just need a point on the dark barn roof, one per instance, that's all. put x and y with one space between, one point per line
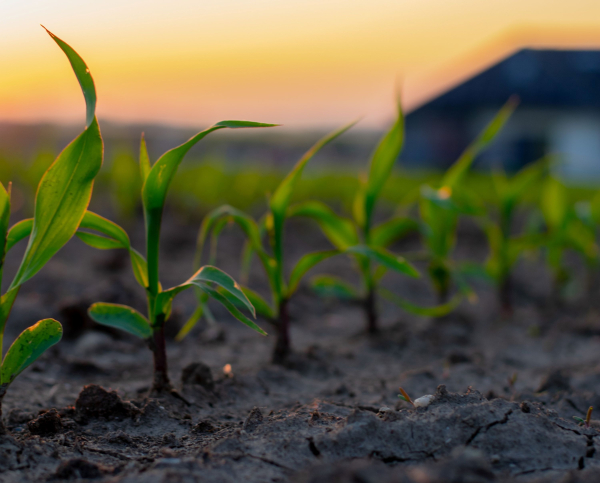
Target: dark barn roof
541 78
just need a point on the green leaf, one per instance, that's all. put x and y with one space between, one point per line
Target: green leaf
28 347
120 239
83 76
437 311
457 171
386 258
340 231
229 303
18 231
381 165
304 265
65 189
329 286
122 317
4 220
202 279
61 201
282 195
97 241
554 203
243 124
144 159
260 304
391 231
6 302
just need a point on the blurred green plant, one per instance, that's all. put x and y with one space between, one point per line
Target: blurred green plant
346 235
567 229
211 281
505 246
61 200
272 256
441 206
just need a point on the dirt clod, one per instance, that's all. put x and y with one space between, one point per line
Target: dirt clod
77 468
46 423
96 402
254 419
198 373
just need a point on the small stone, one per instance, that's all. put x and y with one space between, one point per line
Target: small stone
96 402
203 427
424 401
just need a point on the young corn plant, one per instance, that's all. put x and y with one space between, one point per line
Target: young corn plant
565 230
61 201
506 247
440 208
271 256
365 241
208 279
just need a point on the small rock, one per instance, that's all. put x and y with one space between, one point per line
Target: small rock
254 419
46 423
198 373
96 402
424 401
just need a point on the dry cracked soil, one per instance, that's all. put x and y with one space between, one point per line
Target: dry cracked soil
504 390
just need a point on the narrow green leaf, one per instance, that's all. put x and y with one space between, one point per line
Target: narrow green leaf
554 203
28 347
281 198
83 76
243 124
329 286
381 165
340 231
202 278
97 241
6 302
18 232
122 317
229 302
304 265
458 170
61 201
4 220
437 311
260 304
386 258
144 159
385 234
93 221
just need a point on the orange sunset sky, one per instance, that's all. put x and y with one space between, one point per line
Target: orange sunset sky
298 62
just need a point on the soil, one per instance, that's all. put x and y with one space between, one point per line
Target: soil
505 390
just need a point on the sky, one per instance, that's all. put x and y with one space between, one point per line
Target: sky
302 63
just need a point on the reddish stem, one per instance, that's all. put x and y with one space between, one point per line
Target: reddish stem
161 381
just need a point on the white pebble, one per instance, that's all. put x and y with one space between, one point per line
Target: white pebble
384 409
424 401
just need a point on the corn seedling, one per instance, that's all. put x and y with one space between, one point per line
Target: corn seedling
213 282
441 207
61 201
405 397
365 242
505 247
588 418
272 255
565 230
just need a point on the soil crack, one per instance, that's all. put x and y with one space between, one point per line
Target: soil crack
485 428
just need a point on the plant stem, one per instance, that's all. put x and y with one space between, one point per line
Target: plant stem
282 345
370 306
161 383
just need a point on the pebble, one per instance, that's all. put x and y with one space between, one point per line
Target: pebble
424 401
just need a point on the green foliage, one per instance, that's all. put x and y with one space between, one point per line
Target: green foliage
271 254
441 207
61 200
209 281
